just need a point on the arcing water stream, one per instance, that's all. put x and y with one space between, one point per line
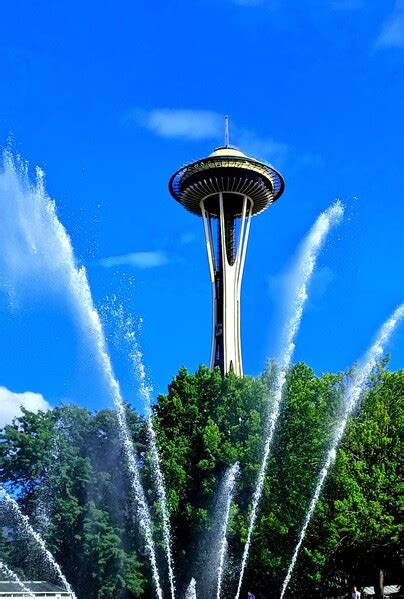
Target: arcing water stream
127 327
34 236
228 493
305 268
350 401
145 392
191 590
24 520
13 576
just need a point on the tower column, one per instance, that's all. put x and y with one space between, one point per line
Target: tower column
226 264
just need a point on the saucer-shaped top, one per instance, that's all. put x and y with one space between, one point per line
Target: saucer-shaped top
227 170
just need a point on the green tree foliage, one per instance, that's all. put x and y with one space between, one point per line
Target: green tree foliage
113 569
357 532
66 468
207 423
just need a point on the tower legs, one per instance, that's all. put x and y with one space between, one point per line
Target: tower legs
226 272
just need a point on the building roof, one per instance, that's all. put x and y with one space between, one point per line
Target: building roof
228 151
36 586
390 589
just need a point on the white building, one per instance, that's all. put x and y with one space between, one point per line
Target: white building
392 590
38 588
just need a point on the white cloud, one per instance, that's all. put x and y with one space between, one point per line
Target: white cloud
198 124
10 404
392 34
185 123
137 259
187 238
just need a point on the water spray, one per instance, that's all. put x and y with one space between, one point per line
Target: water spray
145 392
127 327
351 399
36 240
191 590
25 524
228 492
304 271
13 576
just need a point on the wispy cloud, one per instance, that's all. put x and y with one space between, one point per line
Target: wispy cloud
392 33
136 259
10 404
182 123
206 124
187 238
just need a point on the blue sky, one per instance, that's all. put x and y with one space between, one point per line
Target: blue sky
110 102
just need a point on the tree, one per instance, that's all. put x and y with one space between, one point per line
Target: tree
206 423
62 467
357 530
103 550
66 469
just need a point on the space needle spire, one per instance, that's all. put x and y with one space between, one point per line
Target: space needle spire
226 189
226 132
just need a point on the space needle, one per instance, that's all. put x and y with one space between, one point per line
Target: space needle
226 189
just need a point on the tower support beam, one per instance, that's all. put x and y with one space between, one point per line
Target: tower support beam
226 264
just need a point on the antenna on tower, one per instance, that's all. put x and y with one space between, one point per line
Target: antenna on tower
226 131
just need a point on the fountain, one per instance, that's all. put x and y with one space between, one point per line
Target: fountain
191 590
26 526
14 578
228 493
43 237
305 268
351 398
126 327
30 221
159 482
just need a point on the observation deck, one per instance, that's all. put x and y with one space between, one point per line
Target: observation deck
231 172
